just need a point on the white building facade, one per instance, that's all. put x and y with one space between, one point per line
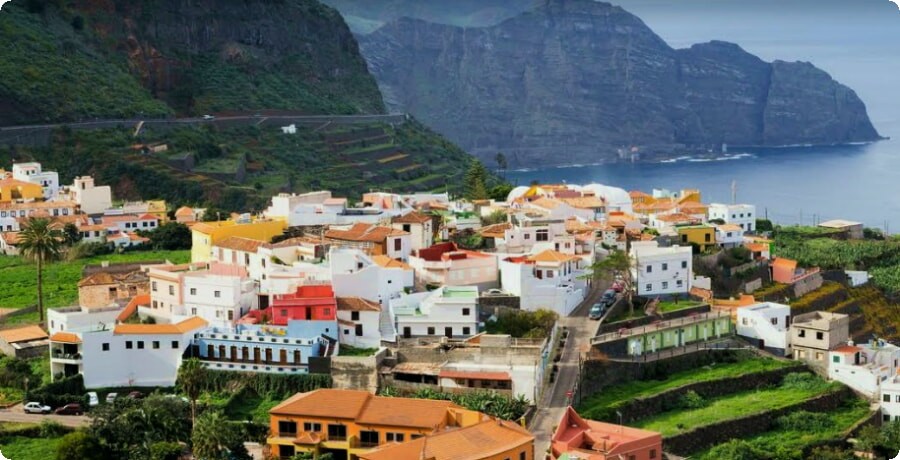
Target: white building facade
766 325
742 215
661 271
445 312
34 173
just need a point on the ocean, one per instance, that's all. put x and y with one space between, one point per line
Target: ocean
857 42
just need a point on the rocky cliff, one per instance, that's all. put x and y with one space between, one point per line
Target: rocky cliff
576 81
111 58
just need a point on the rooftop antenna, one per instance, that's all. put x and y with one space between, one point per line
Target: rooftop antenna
733 192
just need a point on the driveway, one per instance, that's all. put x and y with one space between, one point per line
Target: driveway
555 400
15 414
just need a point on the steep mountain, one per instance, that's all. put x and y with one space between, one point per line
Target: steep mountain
578 81
364 16
121 58
76 60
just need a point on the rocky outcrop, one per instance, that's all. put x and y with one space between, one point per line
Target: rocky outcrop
578 81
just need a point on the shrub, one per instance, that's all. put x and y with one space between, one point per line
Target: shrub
800 381
79 445
736 449
166 451
51 429
804 421
691 400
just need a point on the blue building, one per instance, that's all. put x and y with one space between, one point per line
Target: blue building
265 348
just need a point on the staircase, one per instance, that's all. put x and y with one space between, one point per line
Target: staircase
386 325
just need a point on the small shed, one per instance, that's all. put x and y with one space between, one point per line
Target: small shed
24 342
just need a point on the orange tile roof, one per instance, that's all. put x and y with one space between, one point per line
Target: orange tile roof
133 304
23 334
551 256
404 412
488 439
413 217
730 228
546 203
38 205
356 304
364 232
757 247
387 262
65 337
847 349
496 230
342 404
308 438
184 211
476 375
784 263
676 217
187 325
237 243
584 202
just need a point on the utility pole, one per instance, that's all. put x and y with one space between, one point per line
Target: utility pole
733 191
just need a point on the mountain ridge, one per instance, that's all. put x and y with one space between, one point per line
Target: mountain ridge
574 81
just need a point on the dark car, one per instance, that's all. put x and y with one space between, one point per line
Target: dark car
597 311
69 409
136 395
609 296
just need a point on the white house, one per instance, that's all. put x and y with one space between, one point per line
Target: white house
528 230
359 322
742 215
864 367
445 312
126 355
766 325
890 399
32 172
661 271
729 236
277 267
419 226
356 274
372 239
548 280
91 198
319 208
446 264
130 223
220 295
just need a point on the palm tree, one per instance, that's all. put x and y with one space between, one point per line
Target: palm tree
214 438
191 376
40 240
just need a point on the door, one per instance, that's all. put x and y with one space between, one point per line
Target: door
762 344
282 356
268 356
245 354
296 357
448 331
234 355
407 332
210 352
256 355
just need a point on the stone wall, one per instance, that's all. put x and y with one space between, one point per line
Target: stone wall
640 408
357 372
807 285
753 285
742 428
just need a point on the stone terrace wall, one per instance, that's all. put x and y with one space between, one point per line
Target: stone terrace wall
707 436
637 409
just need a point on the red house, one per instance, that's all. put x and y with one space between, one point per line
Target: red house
312 302
590 440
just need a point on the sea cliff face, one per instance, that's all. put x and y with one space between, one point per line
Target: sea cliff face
578 81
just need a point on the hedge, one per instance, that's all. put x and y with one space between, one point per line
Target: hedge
277 385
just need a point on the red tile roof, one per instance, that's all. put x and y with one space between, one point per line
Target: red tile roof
474 375
356 304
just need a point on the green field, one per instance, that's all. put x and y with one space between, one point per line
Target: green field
60 278
734 406
20 448
670 305
789 443
612 396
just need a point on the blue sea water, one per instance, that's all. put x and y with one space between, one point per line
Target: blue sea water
859 47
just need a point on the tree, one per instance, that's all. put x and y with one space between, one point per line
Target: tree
497 217
736 449
474 184
40 241
170 236
79 445
868 438
616 263
191 376
130 427
890 433
71 234
215 438
764 225
500 192
166 451
500 158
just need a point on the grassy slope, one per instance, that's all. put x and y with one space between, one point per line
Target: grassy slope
788 440
642 388
730 407
61 278
21 448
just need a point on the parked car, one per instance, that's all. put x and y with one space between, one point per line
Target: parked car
136 395
111 398
69 409
597 311
494 293
35 408
208 117
93 399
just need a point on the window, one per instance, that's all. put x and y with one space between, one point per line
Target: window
665 285
128 345
155 305
398 244
679 283
820 335
354 316
467 331
359 330
193 291
217 294
287 429
665 266
155 344
886 418
527 236
683 264
104 347
153 286
549 273
284 312
801 333
744 321
466 311
140 344
312 427
327 311
542 235
230 315
430 331
652 453
174 344
171 290
368 438
337 432
649 268
522 456
393 437
836 359
707 237
886 398
649 287
774 321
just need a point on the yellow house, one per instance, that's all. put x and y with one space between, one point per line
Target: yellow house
206 234
157 208
703 236
349 423
13 189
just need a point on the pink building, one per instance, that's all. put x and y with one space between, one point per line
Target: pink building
445 264
590 440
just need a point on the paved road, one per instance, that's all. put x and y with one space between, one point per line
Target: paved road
555 400
15 414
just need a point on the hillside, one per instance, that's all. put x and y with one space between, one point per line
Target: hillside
578 81
85 59
238 168
365 16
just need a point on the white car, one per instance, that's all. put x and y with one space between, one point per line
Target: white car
208 117
93 400
110 398
36 408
